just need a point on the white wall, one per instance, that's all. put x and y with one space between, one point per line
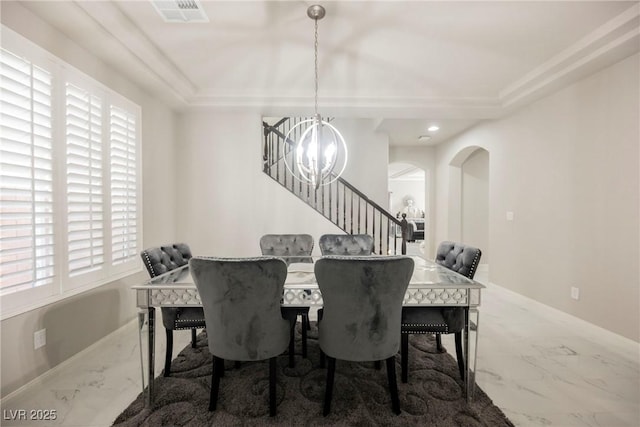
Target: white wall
228 203
75 323
368 158
567 166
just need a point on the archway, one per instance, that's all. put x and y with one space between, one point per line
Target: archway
469 199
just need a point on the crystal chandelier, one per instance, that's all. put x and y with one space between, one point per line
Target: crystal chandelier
320 150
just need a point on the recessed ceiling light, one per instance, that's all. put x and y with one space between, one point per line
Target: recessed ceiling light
433 128
424 138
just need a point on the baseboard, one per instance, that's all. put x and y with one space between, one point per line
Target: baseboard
580 323
40 379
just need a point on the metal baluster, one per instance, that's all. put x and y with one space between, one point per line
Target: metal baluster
330 192
323 200
315 198
359 214
344 208
380 233
366 217
351 212
373 224
337 204
278 159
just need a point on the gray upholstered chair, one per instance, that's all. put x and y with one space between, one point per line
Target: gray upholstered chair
241 300
346 244
462 259
362 311
289 246
159 261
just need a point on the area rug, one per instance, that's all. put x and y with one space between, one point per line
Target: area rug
432 397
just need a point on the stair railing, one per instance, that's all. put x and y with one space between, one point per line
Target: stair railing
340 202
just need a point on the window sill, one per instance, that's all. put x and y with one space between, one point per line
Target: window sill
10 312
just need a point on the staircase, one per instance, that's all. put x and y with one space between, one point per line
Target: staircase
339 202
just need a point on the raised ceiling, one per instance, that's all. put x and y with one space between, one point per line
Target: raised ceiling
404 64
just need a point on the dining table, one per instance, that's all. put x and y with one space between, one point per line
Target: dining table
431 285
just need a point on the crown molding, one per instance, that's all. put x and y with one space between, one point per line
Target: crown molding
609 43
163 74
388 107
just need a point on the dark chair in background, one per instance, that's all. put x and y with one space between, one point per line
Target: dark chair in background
159 261
362 311
346 244
241 300
290 246
462 259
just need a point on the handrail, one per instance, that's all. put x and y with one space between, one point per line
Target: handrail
268 128
368 200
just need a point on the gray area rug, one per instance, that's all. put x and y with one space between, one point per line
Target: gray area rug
433 396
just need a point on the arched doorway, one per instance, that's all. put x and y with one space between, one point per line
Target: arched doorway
469 200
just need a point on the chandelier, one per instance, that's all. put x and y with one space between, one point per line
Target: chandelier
320 150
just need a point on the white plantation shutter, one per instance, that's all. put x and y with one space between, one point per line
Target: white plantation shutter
84 171
26 175
69 179
124 215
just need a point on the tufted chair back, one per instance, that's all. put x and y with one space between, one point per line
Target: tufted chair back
458 257
287 245
165 258
241 300
346 244
362 303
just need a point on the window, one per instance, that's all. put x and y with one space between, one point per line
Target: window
26 171
69 175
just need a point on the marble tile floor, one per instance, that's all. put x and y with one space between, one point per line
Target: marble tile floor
540 366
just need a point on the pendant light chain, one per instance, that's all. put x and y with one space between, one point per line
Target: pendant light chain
316 65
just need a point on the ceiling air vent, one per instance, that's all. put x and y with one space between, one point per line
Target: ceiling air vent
180 10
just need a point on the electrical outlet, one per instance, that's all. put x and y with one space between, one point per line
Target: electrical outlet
510 216
39 339
575 293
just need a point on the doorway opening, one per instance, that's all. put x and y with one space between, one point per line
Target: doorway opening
407 195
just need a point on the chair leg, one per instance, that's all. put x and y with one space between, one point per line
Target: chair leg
169 353
305 325
218 368
328 394
322 356
305 318
404 357
193 338
393 384
439 343
292 340
460 354
272 387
